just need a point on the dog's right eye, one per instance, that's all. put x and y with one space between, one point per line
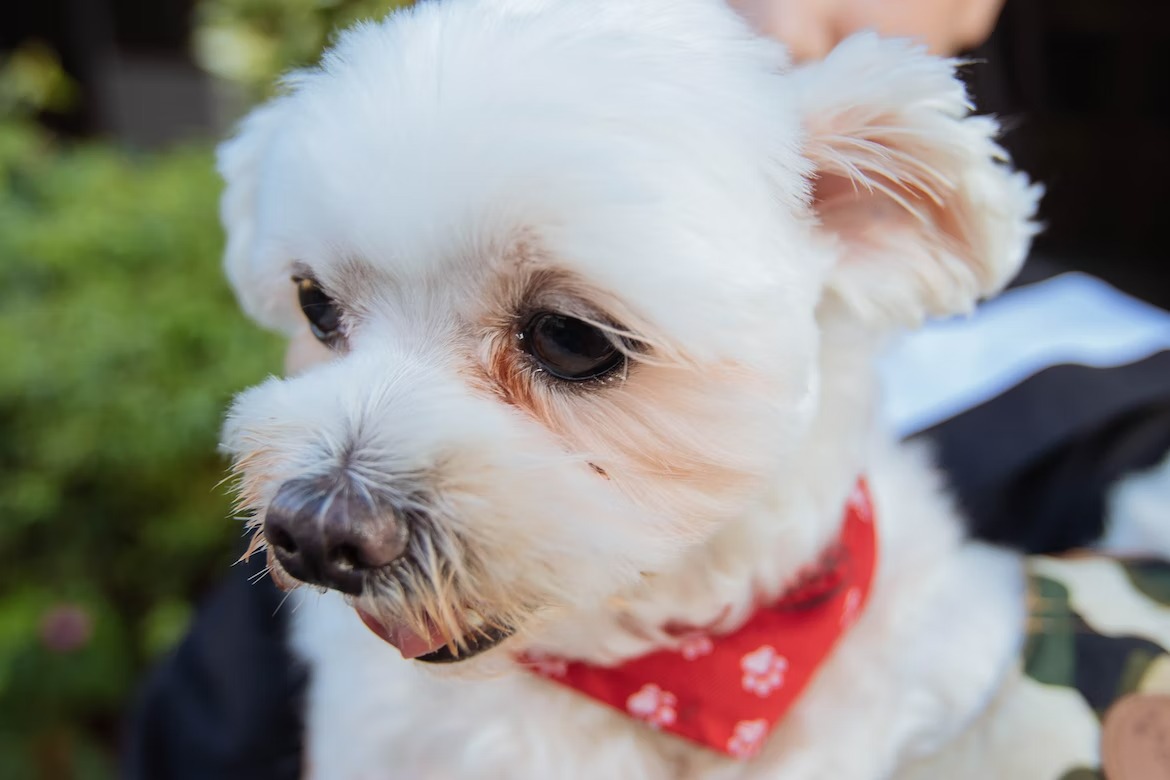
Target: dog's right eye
569 348
322 313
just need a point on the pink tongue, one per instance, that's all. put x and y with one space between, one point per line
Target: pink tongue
410 644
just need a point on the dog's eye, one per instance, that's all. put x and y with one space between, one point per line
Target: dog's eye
569 348
320 310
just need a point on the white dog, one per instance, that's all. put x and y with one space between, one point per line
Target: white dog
603 283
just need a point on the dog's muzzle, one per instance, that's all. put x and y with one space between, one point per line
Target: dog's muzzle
331 532
326 531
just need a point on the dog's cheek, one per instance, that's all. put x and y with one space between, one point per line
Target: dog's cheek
703 447
696 440
541 527
694 447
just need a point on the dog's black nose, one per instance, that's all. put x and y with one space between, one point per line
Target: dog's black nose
326 533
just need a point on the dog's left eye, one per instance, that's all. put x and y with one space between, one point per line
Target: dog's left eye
322 313
569 348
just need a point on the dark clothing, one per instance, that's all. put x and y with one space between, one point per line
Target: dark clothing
226 703
1032 466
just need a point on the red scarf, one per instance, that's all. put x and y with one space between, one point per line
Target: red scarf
728 692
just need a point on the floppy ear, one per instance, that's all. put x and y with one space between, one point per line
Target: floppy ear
252 272
926 213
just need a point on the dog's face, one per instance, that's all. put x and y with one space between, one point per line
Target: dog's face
569 259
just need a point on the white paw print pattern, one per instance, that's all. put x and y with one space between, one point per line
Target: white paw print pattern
548 666
850 606
695 646
748 738
653 705
763 670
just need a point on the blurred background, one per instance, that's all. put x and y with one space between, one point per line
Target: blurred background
121 343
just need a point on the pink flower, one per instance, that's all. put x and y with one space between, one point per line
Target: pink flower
66 628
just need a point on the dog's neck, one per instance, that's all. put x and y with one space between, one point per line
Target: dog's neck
751 559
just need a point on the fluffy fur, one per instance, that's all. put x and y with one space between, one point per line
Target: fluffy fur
754 230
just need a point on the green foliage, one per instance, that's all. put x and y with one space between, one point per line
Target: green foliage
251 42
122 345
31 80
121 348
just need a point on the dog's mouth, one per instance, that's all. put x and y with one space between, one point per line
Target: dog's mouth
435 647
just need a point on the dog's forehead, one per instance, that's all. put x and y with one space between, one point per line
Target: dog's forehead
647 150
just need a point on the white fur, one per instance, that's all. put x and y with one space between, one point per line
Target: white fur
759 229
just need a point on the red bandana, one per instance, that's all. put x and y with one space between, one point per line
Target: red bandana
728 692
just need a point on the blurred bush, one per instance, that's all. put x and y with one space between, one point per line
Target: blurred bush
121 347
250 42
32 80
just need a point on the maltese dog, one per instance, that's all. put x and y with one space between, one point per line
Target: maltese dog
587 482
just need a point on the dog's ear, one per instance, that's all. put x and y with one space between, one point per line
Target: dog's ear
241 162
926 214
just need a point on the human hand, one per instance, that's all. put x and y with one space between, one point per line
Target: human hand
811 28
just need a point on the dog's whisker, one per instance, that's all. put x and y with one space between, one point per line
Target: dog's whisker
279 606
299 603
260 575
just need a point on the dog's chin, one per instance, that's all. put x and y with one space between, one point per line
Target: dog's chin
485 641
435 647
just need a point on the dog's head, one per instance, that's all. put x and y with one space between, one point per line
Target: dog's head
572 261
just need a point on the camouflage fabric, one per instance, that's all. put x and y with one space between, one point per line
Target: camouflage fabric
1100 627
